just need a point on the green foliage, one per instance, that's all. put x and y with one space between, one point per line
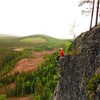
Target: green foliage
31 42
8 79
10 63
42 47
6 55
3 97
93 83
74 52
9 57
42 93
41 83
68 45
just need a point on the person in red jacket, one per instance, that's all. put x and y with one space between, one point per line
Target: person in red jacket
61 52
61 55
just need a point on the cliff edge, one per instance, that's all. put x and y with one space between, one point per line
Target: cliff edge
79 65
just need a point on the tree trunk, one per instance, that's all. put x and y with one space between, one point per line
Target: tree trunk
92 15
97 12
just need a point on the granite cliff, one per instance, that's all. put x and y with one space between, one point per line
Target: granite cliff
78 65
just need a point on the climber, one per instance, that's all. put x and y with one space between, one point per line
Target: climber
61 54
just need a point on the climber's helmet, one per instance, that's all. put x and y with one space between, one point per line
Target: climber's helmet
60 49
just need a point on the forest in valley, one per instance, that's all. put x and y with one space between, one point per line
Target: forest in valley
38 84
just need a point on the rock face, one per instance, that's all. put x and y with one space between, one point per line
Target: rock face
79 65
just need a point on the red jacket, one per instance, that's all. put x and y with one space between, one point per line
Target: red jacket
61 53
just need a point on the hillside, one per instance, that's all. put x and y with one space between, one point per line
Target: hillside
25 67
9 45
31 41
40 75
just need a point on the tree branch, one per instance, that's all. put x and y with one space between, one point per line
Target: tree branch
84 2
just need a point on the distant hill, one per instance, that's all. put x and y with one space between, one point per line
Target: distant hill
36 38
32 41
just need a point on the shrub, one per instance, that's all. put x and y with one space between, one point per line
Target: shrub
41 83
3 97
93 83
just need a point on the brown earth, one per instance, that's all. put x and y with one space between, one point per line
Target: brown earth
21 98
3 89
26 65
30 64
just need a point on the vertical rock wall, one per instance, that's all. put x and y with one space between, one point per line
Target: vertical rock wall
79 65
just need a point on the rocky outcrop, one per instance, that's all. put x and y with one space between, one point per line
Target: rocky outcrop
79 65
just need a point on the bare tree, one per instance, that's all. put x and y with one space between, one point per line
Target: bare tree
92 15
91 7
96 23
86 10
84 1
72 30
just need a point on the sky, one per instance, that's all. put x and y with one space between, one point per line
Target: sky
50 17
